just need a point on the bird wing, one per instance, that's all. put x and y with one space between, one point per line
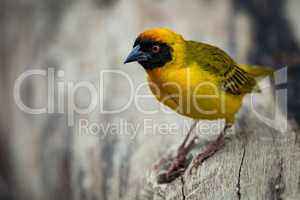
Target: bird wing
232 78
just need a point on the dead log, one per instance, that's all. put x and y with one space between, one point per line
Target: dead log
257 162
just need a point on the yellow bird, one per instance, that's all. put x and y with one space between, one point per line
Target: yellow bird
196 80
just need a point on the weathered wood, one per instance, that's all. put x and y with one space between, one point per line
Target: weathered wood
257 162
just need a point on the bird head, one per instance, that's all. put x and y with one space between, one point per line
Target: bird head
157 47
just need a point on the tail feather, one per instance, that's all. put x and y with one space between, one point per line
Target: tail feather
257 72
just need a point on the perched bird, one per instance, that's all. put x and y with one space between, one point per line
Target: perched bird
196 80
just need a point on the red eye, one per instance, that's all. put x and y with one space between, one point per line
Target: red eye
155 48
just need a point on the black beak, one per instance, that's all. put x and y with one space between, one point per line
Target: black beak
136 55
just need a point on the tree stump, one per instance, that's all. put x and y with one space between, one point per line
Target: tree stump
257 162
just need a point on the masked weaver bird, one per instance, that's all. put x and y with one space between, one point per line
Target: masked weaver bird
196 80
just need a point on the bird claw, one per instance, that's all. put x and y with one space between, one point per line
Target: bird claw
212 149
169 177
176 169
197 162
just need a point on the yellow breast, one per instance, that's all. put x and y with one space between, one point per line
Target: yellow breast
193 92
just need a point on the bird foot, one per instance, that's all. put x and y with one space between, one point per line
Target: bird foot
208 152
178 165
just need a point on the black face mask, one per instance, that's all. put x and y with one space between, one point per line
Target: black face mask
150 54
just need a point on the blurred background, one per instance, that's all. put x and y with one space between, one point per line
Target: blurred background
41 156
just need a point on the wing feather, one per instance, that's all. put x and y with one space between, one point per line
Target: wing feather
232 78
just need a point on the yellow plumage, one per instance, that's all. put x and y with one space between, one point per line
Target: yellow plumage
211 103
199 69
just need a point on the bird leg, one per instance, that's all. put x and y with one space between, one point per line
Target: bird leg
179 165
211 149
